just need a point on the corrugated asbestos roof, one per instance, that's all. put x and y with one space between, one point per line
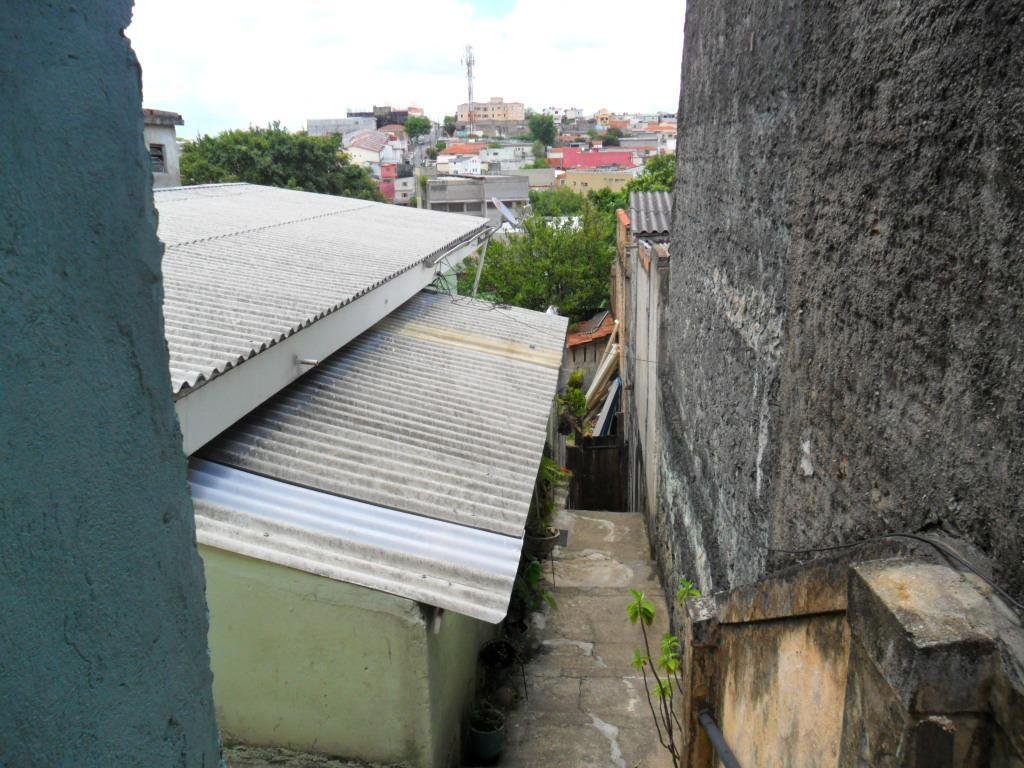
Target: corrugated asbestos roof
247 266
451 566
436 413
650 213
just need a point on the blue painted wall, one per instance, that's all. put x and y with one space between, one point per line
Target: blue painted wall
103 657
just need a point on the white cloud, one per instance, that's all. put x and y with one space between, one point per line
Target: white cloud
232 63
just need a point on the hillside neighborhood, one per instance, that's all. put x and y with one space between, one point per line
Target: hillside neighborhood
673 433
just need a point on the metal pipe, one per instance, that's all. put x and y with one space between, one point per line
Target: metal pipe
480 266
718 740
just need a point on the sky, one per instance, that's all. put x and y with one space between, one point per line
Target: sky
233 63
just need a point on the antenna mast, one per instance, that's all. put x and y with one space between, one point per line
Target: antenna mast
469 62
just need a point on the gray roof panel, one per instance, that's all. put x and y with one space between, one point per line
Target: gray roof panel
438 410
246 266
650 213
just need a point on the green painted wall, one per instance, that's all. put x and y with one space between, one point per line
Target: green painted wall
308 663
103 629
453 676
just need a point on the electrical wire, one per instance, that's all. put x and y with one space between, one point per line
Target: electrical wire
942 548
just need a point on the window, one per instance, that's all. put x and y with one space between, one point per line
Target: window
156 158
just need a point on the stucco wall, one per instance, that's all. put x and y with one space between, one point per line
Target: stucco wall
166 136
842 345
317 665
103 627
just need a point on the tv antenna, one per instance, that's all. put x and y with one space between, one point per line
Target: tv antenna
469 61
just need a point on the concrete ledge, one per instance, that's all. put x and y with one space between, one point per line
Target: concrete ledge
930 631
816 588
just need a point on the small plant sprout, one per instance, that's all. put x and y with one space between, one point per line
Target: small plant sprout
667 673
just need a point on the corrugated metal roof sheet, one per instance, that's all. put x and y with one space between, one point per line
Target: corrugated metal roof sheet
451 566
438 410
650 213
246 266
405 462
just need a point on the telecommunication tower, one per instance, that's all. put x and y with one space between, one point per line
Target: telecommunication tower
469 61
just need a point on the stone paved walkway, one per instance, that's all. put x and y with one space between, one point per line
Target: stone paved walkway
586 706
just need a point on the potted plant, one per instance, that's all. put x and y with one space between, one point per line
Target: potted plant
486 733
541 536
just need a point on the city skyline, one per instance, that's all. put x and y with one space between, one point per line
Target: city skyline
259 62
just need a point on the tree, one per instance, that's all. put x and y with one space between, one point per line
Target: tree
659 175
562 264
560 201
276 158
612 136
542 128
416 126
449 125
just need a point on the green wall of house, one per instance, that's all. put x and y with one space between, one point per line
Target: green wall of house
308 663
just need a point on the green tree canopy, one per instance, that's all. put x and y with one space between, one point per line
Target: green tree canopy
542 128
561 264
560 201
449 125
416 126
276 158
659 174
612 136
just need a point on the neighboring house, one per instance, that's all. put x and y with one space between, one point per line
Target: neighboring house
537 178
468 165
601 117
361 534
475 194
162 144
510 157
455 151
339 126
587 181
496 110
585 347
639 289
372 148
405 189
566 158
560 114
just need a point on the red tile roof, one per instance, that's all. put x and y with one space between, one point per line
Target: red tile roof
587 332
463 149
578 158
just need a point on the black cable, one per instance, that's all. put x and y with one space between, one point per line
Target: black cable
942 548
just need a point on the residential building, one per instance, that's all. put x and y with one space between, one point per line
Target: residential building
589 181
339 126
475 194
358 533
405 189
566 158
495 110
158 131
620 123
601 117
455 151
563 114
387 115
506 158
380 153
537 178
585 346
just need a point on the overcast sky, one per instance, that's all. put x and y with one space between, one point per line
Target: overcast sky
234 63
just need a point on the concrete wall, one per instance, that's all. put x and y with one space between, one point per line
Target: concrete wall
842 346
165 136
312 664
103 625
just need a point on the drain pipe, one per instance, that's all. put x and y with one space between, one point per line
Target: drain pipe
718 740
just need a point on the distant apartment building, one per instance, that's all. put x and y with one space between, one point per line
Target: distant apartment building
339 126
496 110
567 158
563 114
590 181
602 116
474 195
384 115
162 144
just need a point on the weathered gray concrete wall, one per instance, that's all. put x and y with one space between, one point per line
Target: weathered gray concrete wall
842 346
103 655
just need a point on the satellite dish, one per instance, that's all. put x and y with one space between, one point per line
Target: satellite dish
506 212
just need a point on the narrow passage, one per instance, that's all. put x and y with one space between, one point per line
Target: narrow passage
586 706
